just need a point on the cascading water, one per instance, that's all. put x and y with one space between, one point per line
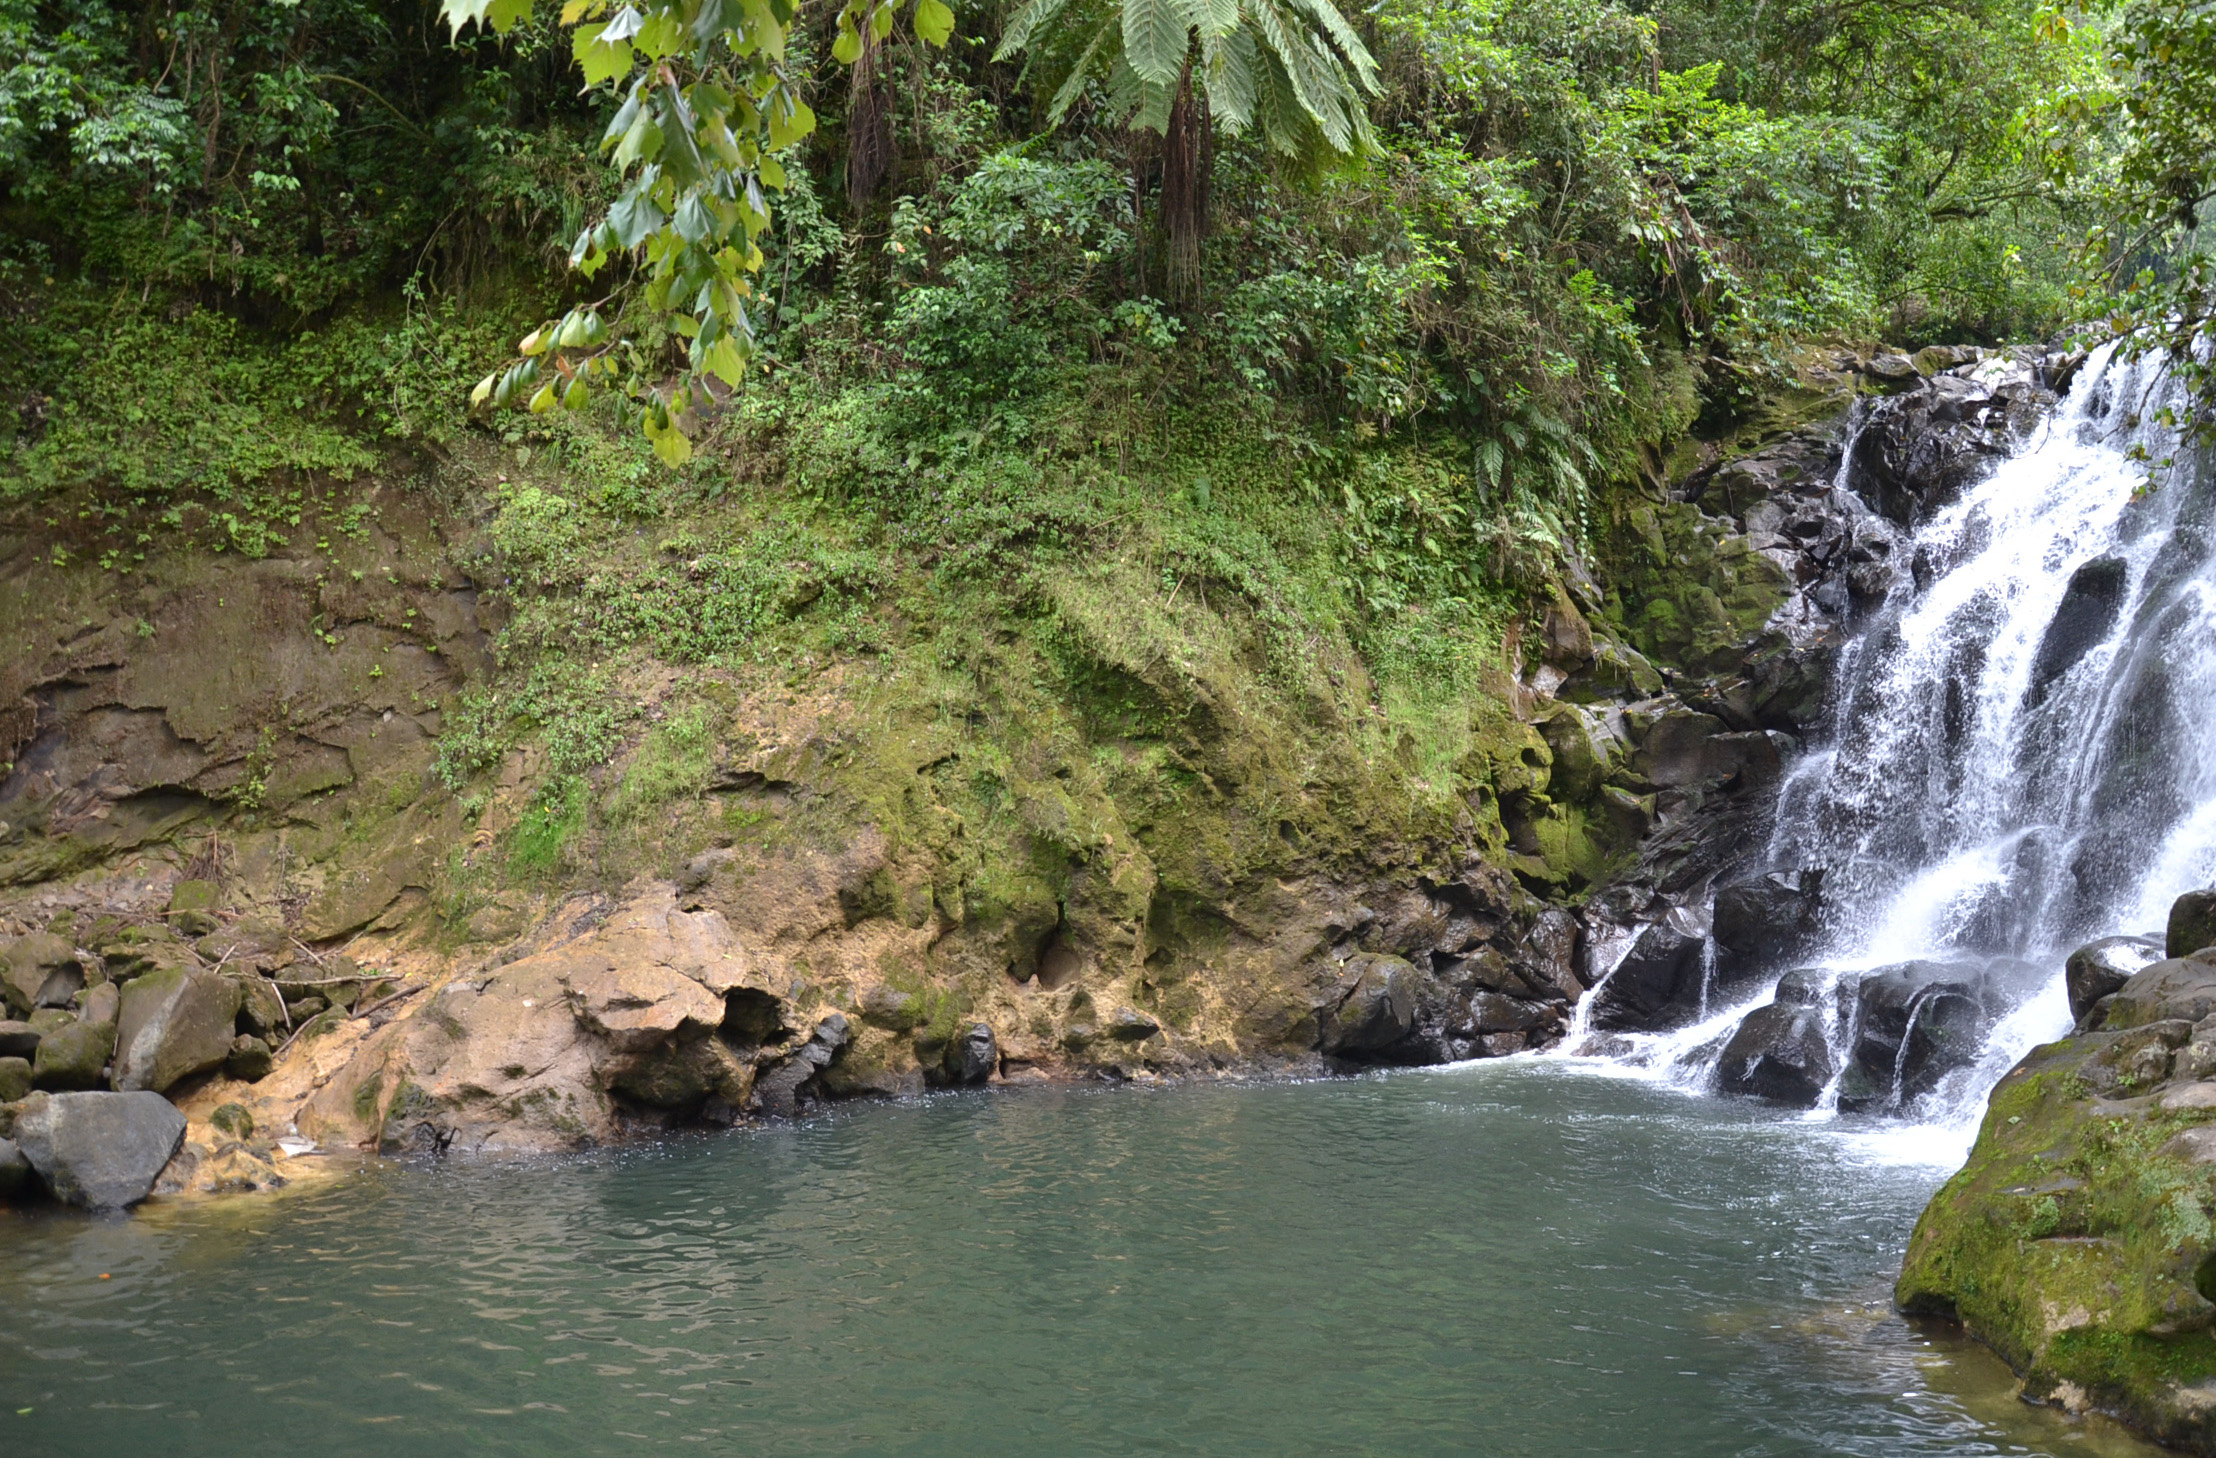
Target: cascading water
2022 756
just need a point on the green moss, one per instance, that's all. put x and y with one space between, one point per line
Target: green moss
554 818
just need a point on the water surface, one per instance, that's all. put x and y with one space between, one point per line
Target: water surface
1509 1258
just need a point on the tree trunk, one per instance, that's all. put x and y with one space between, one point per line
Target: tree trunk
869 127
1188 156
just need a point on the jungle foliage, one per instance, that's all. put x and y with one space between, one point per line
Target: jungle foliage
1438 271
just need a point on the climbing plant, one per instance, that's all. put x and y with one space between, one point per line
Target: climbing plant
708 104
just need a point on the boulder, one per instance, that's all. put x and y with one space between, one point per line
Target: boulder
2192 923
2099 968
1656 985
1914 1023
102 1150
76 1056
250 1059
18 1040
192 907
2083 621
1374 1009
892 1008
1760 926
40 970
1128 1025
2175 988
1780 1053
261 1008
15 1171
174 1023
15 1079
972 1057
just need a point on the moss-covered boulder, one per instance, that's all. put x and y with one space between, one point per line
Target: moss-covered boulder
2079 1241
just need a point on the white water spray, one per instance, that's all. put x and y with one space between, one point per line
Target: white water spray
2014 766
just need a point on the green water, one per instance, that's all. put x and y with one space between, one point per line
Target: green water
1501 1259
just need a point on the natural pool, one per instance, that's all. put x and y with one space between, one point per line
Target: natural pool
1519 1257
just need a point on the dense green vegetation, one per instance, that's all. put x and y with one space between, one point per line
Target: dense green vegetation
1365 318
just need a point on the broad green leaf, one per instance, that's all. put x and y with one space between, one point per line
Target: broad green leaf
847 49
723 360
934 22
789 120
505 14
1155 34
544 400
663 34
600 60
881 21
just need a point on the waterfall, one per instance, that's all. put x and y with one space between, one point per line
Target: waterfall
2021 756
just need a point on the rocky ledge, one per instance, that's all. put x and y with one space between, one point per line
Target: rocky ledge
2079 1241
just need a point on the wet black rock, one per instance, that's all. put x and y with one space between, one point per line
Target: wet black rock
1374 1006
102 1150
1919 448
2192 923
1656 985
1762 925
779 1089
2099 968
1914 1023
1780 1052
972 1057
2085 618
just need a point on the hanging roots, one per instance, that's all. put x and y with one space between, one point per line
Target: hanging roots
869 128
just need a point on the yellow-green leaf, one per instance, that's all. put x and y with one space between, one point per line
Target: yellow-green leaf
934 22
543 401
724 361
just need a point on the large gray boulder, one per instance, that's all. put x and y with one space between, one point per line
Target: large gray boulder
175 1022
40 970
101 1150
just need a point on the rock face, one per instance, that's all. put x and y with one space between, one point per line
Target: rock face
2079 1241
1921 447
1763 925
102 1150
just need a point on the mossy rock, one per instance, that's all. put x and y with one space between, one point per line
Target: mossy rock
2079 1242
